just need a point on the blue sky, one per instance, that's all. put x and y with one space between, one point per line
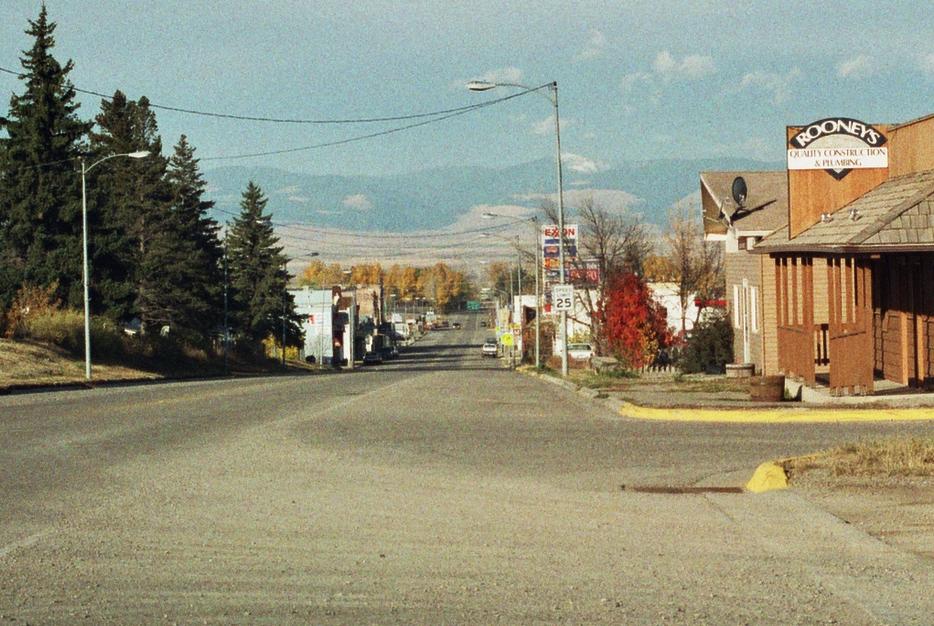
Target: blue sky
637 80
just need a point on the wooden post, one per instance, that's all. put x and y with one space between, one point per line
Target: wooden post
795 300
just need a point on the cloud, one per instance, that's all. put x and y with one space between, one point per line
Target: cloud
633 79
547 125
287 190
666 69
779 85
859 66
612 199
594 47
473 218
581 164
691 67
927 63
580 183
299 199
357 201
503 75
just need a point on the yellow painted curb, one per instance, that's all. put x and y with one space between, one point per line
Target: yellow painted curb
767 477
774 416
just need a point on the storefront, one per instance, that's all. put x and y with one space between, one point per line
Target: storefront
854 268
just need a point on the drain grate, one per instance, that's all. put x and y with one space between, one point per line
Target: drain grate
679 490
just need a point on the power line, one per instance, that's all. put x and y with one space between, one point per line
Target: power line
339 142
322 121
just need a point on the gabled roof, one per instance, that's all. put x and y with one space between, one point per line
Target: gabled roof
896 215
766 206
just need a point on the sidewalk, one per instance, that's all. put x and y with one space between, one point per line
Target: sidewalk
658 400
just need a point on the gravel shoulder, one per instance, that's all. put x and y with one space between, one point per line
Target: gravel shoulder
896 510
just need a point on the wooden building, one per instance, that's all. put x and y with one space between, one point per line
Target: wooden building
854 268
749 277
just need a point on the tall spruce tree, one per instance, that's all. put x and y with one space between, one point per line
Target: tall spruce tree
40 202
258 276
202 271
125 197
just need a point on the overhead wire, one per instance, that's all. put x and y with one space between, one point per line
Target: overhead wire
432 117
320 121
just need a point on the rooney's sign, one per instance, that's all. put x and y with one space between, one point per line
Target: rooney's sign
837 145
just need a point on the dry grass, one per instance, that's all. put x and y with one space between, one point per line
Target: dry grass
33 363
625 380
895 456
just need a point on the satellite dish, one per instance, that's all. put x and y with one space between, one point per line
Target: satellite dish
739 191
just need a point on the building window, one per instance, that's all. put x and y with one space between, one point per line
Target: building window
754 308
736 306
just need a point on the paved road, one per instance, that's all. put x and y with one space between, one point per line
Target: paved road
437 488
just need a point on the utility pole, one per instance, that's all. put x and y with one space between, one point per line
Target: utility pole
226 311
538 299
285 300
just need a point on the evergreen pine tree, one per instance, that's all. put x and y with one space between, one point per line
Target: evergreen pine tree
40 202
202 270
133 231
258 276
113 207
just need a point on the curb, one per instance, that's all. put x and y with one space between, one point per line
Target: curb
745 416
775 416
769 476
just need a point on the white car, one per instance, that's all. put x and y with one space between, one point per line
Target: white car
580 351
490 347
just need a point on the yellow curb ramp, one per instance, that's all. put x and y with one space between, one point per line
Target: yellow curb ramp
768 477
776 416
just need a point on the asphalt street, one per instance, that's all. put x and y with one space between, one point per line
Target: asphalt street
437 488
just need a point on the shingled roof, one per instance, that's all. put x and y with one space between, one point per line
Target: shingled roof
898 215
766 206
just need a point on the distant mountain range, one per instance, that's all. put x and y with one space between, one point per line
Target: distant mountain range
437 198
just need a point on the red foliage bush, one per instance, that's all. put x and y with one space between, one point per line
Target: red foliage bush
634 324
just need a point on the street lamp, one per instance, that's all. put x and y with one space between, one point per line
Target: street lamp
140 154
538 268
482 85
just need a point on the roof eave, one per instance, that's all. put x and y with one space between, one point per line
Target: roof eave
844 249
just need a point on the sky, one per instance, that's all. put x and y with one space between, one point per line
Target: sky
637 80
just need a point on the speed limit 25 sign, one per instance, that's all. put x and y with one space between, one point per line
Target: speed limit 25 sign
562 297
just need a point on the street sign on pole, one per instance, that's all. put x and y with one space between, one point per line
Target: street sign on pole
562 297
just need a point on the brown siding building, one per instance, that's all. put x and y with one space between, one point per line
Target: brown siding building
740 225
854 271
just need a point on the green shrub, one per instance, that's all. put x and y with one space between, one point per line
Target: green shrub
65 328
61 328
710 347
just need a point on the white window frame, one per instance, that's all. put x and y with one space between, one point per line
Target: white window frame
754 308
737 311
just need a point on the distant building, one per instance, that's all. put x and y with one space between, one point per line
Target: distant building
666 295
318 308
750 278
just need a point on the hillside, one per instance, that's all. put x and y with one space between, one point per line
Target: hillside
437 198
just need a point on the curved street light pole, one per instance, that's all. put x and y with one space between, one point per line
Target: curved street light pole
84 246
479 85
